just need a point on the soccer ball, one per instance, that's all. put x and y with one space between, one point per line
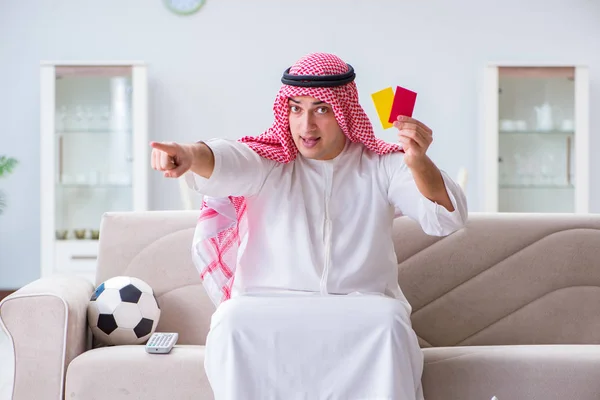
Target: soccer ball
123 310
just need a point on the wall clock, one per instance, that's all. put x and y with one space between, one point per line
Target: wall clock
184 7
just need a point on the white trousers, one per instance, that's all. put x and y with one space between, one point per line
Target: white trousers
280 347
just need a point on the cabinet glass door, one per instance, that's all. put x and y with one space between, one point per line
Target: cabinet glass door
536 122
93 147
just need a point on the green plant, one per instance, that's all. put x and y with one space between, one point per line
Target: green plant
7 164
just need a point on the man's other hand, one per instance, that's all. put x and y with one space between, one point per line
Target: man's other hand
415 138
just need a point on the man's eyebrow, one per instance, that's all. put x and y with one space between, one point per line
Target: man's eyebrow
315 103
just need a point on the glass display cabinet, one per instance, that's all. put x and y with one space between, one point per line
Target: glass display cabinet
94 157
536 139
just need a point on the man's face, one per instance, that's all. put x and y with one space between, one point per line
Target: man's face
314 128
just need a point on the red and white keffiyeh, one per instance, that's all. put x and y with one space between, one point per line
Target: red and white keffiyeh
222 224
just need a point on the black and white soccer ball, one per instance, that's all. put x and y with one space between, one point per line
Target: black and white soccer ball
123 310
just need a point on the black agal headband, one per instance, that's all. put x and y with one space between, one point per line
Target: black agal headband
318 80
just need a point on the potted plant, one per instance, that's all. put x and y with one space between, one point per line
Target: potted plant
7 164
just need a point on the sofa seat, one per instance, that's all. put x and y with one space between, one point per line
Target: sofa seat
472 372
518 372
128 372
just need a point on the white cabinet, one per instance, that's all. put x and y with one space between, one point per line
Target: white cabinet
536 143
93 155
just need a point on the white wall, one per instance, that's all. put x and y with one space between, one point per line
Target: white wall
216 73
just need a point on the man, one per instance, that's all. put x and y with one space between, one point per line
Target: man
294 244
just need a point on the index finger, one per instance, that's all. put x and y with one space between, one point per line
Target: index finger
405 119
170 149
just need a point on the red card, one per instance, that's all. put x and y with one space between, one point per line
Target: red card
404 103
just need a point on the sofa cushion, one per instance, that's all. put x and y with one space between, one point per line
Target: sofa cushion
512 372
128 372
474 372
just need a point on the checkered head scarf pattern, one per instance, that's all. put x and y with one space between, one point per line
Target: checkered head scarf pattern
222 223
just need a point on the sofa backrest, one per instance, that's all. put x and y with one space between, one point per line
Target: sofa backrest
503 279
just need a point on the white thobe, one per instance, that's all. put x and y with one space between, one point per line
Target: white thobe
319 228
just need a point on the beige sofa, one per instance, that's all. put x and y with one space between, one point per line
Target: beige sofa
508 306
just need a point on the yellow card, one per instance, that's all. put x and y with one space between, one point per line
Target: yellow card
383 101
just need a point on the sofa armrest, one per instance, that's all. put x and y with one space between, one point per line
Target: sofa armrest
46 326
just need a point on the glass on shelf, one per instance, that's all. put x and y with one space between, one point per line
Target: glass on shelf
91 118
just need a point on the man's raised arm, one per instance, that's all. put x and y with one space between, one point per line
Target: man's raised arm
216 168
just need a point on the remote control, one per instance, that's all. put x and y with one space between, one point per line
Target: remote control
161 342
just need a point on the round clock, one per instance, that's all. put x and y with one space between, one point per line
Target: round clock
184 7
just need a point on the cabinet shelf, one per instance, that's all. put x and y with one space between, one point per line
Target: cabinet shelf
530 132
76 242
92 132
536 186
94 186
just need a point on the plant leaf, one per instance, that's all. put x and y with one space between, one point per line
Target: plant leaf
7 165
